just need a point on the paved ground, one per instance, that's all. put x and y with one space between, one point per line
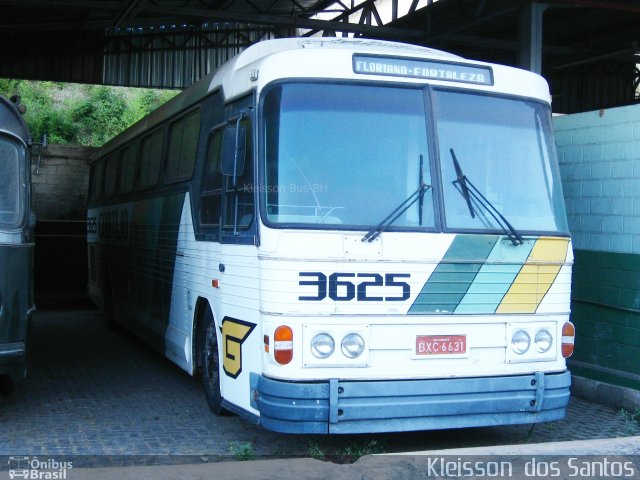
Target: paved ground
96 392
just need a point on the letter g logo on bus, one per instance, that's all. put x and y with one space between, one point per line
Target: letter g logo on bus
234 333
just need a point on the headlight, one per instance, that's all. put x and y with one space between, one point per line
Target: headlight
352 345
543 341
520 342
322 345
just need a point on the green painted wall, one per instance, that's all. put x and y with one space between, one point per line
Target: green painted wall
606 312
599 156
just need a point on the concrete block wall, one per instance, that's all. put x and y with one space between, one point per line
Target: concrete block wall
59 190
59 198
599 155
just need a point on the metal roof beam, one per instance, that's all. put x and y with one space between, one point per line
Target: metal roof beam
628 53
472 23
107 5
292 22
621 7
158 16
128 13
511 45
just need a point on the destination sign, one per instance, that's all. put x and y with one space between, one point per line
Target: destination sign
419 68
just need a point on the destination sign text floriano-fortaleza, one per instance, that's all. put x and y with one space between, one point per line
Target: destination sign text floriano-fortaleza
418 68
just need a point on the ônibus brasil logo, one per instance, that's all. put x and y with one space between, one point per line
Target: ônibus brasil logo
38 469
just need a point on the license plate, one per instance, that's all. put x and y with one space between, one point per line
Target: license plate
441 344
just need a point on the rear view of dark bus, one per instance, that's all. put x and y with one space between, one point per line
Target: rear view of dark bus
16 243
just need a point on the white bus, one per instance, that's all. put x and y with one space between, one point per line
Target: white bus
345 236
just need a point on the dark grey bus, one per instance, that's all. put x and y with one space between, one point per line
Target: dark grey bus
16 243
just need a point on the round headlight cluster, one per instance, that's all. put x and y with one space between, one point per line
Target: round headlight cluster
352 345
521 341
543 341
323 345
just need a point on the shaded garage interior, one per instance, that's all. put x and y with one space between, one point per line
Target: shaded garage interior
588 50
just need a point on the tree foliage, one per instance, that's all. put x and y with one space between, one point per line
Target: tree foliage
82 114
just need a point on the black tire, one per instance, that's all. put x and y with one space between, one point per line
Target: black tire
108 314
6 385
210 364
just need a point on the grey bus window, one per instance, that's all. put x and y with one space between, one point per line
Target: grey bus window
150 160
110 175
183 144
97 176
211 198
234 143
11 183
128 160
242 196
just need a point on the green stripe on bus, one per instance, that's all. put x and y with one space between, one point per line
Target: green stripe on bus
452 278
495 277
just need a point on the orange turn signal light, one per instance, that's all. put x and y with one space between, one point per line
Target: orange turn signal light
283 344
568 339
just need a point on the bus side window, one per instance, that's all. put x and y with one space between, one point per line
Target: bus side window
128 161
211 197
150 160
183 144
110 175
97 174
243 193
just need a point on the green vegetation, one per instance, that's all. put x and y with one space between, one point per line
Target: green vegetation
82 114
632 421
351 453
315 451
347 453
242 451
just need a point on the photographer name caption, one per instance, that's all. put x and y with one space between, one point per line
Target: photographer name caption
535 467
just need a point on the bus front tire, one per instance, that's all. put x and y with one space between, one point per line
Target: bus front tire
6 385
210 362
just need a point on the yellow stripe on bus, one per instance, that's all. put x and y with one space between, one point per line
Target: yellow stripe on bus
536 276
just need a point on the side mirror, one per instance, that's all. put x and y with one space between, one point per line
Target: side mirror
234 146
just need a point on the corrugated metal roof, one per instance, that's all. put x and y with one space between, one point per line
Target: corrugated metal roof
176 56
589 47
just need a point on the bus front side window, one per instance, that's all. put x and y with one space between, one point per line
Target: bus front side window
11 183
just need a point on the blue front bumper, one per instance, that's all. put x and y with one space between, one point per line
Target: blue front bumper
337 406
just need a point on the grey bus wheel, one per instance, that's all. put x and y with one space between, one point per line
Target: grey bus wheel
209 360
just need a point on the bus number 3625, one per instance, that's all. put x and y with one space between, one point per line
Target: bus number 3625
341 288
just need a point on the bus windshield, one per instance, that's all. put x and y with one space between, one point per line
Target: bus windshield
345 156
11 183
504 148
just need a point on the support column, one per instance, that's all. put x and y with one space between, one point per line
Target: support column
530 36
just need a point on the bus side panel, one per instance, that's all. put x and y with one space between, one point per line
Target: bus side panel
234 303
16 305
134 255
196 263
241 331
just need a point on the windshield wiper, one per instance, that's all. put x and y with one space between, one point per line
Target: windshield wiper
472 194
462 181
400 209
